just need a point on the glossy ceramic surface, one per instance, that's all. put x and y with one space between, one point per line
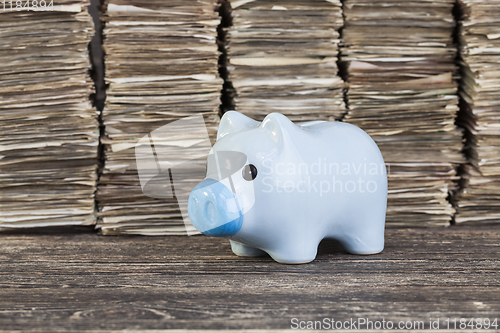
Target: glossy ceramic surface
279 188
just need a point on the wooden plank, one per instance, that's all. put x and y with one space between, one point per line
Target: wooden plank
83 281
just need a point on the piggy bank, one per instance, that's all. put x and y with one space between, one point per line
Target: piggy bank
279 188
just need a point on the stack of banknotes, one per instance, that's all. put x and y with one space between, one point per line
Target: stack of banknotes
479 31
282 57
161 62
49 131
403 82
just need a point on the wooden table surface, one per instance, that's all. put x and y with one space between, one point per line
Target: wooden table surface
83 281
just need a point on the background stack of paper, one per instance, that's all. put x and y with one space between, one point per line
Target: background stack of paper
48 128
282 57
403 92
479 31
161 61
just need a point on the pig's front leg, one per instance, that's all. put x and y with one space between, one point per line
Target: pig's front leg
296 252
244 250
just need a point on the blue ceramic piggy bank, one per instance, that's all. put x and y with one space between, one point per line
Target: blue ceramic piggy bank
279 188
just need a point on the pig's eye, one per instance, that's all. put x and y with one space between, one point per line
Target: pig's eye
249 172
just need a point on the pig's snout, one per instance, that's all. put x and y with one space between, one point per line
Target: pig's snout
213 209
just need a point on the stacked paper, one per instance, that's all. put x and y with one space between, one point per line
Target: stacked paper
282 57
479 30
161 61
48 128
403 92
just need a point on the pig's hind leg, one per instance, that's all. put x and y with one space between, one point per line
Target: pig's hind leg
361 231
244 250
363 238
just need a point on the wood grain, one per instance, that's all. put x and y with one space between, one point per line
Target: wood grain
82 281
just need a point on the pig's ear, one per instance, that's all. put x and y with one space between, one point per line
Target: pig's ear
278 127
233 122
